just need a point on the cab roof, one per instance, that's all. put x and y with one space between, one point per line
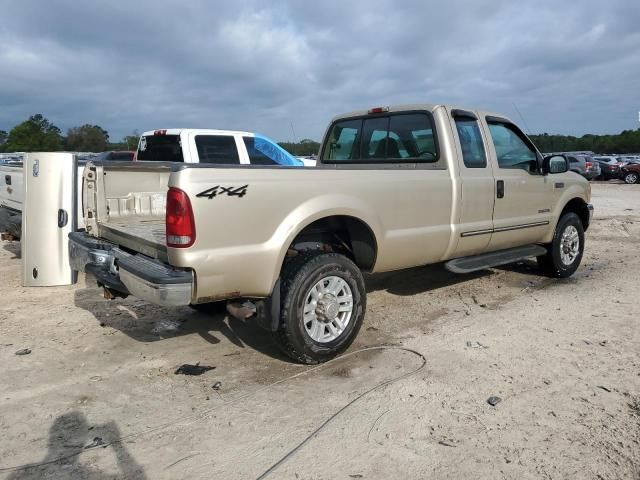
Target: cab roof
430 107
199 131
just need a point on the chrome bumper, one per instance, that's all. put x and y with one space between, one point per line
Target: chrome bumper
590 208
138 275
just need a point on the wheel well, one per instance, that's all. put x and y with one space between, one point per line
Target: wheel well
342 234
579 207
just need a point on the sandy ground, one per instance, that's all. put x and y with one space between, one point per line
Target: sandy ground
564 357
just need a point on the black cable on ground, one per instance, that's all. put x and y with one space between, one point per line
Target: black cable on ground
292 452
245 397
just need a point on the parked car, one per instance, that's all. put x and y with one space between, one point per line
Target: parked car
622 161
584 165
115 156
630 173
394 188
609 167
221 147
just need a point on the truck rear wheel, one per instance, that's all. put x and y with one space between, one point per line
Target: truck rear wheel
564 253
323 301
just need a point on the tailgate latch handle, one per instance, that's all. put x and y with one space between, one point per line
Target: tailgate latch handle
63 218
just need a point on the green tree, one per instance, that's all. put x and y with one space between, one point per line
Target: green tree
35 134
3 137
131 141
627 141
303 148
87 138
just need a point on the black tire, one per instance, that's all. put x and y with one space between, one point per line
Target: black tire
299 275
552 263
631 177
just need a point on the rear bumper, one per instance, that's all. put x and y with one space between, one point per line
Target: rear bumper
130 274
590 208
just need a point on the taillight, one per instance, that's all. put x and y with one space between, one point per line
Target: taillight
181 229
589 164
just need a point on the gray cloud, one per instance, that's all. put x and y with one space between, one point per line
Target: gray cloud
569 68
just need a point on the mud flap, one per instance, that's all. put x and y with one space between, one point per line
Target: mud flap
268 310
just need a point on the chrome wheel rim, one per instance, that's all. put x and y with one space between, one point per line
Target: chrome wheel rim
631 178
569 245
328 309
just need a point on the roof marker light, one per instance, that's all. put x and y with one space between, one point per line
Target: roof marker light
378 110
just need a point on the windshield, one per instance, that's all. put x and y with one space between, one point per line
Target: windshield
160 148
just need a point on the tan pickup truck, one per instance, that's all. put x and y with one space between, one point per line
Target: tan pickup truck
395 187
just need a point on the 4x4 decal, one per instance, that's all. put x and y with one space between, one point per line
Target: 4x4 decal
218 190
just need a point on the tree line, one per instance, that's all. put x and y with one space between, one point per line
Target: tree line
39 134
626 142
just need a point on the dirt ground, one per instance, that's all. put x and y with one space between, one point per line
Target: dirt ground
563 356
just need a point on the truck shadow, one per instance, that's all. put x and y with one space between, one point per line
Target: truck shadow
69 435
146 323
418 280
13 247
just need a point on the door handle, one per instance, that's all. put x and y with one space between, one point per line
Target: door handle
7 179
63 218
500 188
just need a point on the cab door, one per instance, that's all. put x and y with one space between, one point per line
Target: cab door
476 185
523 196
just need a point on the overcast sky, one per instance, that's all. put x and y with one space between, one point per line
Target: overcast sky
284 67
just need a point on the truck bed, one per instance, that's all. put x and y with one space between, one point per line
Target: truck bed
129 208
146 236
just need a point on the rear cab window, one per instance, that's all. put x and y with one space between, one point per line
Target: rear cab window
390 138
160 148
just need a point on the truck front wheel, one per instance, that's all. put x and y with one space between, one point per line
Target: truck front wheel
323 301
564 253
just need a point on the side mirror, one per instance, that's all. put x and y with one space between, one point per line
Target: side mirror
555 164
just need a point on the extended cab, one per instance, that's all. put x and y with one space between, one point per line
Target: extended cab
394 188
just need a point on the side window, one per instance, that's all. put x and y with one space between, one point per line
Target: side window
220 149
511 149
342 141
263 151
473 154
573 160
256 157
